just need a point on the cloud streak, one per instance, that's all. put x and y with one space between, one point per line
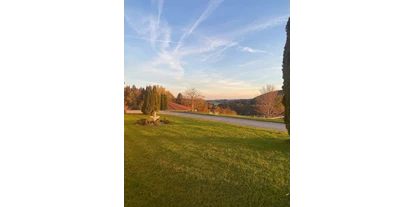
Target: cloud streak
160 5
251 50
197 50
218 53
210 8
266 24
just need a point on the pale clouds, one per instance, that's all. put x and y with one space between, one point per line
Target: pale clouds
160 5
146 27
254 27
213 4
251 50
218 53
265 24
167 65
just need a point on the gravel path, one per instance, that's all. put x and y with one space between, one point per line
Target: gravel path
245 122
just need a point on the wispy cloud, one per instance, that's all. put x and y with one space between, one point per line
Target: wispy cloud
254 27
251 50
265 24
200 49
218 53
148 39
212 5
150 27
160 5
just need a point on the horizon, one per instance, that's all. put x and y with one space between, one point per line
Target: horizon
212 46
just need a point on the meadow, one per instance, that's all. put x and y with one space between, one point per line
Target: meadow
194 162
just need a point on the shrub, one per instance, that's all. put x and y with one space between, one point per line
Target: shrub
144 122
166 121
135 107
157 122
125 109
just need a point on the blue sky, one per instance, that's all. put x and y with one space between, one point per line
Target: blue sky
224 48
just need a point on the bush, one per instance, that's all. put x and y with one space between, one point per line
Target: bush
166 121
125 109
144 122
157 122
135 107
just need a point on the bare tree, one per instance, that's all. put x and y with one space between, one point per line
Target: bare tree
269 104
268 88
192 94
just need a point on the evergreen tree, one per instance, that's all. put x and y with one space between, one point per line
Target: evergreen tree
156 101
146 100
286 77
179 98
164 102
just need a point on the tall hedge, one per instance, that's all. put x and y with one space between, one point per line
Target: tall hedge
164 102
151 100
286 77
155 106
147 93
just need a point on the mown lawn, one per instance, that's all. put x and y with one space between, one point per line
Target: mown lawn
194 162
276 120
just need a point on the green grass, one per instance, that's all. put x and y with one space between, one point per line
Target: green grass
194 162
276 120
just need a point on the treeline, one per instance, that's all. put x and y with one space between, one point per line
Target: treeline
241 107
134 97
200 105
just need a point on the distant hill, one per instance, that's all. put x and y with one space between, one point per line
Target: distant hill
220 101
241 106
279 92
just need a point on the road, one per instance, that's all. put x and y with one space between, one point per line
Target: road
245 122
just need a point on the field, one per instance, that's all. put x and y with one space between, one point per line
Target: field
194 162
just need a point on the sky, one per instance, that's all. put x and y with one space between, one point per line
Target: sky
227 49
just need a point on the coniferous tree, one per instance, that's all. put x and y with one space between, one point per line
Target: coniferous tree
286 77
164 102
179 98
146 101
154 102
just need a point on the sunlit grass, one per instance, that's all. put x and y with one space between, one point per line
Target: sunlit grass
194 162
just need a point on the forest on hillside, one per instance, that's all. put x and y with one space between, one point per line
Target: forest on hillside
268 105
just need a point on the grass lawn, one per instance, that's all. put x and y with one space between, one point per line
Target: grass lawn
276 120
194 162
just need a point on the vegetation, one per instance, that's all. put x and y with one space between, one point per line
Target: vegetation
269 104
151 101
286 77
166 120
134 97
179 98
268 88
194 162
135 107
192 94
164 102
240 106
200 105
